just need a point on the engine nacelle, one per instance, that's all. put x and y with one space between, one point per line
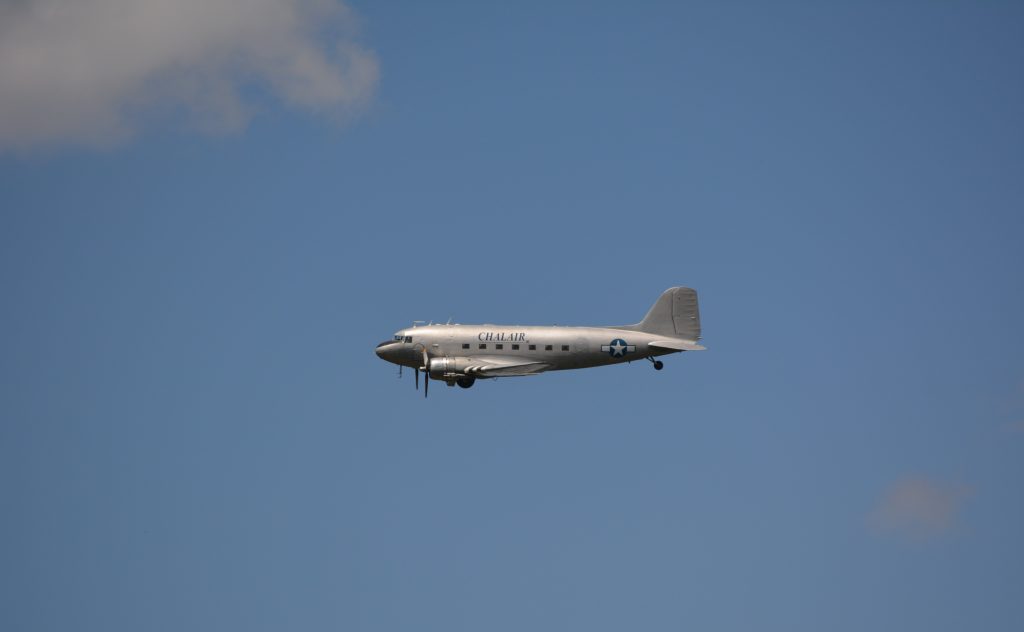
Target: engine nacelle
446 368
441 367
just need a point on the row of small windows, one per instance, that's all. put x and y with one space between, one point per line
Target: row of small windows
499 346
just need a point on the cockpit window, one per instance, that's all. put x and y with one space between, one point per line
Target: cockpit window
398 337
408 338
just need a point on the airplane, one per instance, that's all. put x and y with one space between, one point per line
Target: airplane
461 354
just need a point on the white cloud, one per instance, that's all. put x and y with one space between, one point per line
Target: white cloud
88 71
918 508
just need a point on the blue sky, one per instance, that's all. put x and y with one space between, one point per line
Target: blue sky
198 259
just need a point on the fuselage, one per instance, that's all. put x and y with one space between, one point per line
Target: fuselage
461 354
559 347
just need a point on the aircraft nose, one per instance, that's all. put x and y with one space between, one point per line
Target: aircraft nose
382 350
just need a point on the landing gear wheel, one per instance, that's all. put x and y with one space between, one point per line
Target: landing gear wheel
658 365
465 382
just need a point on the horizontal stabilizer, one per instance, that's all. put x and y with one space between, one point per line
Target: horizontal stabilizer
676 345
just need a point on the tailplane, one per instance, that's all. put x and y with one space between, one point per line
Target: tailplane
675 315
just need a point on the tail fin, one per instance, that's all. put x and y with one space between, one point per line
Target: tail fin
675 314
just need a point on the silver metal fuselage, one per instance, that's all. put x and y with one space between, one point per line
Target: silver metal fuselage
460 354
558 347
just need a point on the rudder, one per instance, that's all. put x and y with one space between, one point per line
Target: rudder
675 314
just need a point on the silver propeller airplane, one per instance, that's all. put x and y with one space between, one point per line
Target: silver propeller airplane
459 354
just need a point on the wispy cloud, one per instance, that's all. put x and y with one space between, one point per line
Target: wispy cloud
917 508
87 71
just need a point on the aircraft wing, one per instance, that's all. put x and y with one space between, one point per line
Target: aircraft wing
492 366
675 345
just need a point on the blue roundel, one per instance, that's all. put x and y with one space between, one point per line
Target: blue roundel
618 348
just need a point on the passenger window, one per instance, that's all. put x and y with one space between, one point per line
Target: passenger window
533 347
483 345
515 347
465 345
565 347
499 347
548 347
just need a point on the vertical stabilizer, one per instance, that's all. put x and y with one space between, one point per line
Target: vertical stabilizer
675 314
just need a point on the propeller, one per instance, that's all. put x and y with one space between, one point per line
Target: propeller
417 379
426 372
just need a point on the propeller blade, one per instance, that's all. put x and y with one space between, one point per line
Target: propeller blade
417 379
426 372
